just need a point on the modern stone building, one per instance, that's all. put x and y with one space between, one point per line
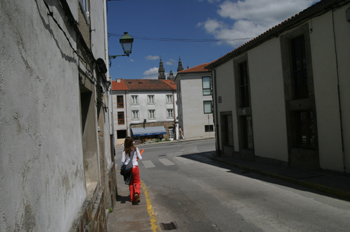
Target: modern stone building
144 109
194 89
57 159
283 96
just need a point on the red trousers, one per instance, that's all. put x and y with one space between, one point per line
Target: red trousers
135 183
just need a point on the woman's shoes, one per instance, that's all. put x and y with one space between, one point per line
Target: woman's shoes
136 198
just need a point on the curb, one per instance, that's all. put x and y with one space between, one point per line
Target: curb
344 195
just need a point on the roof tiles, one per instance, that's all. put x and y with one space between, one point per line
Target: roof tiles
144 84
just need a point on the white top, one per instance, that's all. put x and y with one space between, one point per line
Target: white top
134 160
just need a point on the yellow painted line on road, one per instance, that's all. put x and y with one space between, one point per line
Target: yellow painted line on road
152 215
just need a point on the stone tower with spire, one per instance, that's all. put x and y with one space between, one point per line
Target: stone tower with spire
161 70
179 67
171 75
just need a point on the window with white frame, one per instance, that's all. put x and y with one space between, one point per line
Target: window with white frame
170 113
207 107
134 99
150 99
206 85
151 114
135 114
169 98
85 6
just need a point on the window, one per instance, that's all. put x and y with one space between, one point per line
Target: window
120 118
135 114
299 68
151 114
134 99
247 125
150 99
209 128
169 99
120 102
85 6
206 82
304 129
244 84
170 113
207 106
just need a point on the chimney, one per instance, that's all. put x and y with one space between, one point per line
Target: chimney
118 80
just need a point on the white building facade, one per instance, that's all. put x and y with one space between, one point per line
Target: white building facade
282 97
148 104
195 104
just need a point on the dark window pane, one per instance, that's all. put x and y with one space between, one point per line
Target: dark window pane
299 72
120 118
244 85
120 102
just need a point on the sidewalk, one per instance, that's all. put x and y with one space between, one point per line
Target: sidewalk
335 185
128 217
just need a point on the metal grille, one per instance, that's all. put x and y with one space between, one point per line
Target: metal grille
168 226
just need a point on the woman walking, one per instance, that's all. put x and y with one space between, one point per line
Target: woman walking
131 151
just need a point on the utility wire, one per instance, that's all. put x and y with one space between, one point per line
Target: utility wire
179 39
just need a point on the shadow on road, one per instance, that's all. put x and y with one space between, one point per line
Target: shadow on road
292 179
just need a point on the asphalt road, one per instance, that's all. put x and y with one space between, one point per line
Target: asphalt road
198 194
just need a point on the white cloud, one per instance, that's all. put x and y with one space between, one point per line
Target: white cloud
251 18
170 62
151 73
150 57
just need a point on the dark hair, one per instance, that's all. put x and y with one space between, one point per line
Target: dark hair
129 145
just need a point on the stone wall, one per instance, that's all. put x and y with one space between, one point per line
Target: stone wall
92 215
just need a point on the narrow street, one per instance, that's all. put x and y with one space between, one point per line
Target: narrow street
198 194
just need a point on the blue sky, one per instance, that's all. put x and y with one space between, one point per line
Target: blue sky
213 28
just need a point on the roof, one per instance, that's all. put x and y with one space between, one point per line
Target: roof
198 68
316 9
119 86
144 85
171 83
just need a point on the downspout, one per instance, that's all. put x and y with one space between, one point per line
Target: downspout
174 114
216 117
126 114
339 97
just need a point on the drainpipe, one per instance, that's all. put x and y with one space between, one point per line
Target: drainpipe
339 97
126 114
174 115
216 116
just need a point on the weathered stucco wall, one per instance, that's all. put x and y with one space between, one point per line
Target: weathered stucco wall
267 97
41 169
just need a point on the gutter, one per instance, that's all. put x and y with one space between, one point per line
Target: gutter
216 116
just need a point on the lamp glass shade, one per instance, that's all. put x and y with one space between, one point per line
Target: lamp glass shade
126 42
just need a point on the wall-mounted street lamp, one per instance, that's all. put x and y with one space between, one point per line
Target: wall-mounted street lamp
126 41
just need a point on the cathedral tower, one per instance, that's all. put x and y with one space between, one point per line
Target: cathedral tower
161 70
179 67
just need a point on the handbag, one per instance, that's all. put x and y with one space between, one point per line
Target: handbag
127 168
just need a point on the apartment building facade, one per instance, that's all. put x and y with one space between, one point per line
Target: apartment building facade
195 104
144 109
282 97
